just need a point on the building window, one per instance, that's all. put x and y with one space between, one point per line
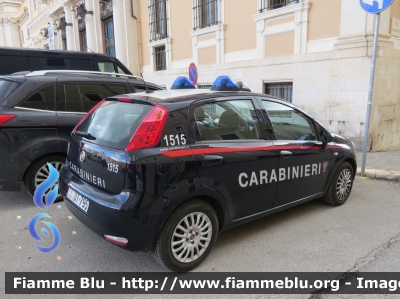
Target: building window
160 58
282 90
205 13
158 19
34 4
22 37
109 36
274 4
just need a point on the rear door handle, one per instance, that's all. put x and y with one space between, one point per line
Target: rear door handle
286 154
212 160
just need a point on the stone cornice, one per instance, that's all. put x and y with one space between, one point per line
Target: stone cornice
59 5
40 18
12 2
24 15
45 14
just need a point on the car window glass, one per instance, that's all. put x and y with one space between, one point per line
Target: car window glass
106 66
13 63
7 87
92 93
119 70
227 120
139 88
58 63
42 99
72 99
288 123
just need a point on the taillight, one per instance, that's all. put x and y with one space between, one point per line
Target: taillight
149 131
5 118
87 114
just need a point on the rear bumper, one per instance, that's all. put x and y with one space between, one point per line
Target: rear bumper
12 167
136 217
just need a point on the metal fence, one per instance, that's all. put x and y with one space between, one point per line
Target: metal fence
274 4
205 13
158 19
161 62
281 90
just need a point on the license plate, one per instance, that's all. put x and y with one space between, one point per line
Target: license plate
79 200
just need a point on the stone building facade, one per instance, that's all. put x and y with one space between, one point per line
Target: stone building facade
313 53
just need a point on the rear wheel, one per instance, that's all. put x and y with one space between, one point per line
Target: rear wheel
187 238
39 172
340 186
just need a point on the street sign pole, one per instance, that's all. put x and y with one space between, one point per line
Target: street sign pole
370 90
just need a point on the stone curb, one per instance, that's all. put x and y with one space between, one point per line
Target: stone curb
380 174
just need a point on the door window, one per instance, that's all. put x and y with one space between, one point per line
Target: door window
288 123
110 67
106 66
227 120
91 93
68 98
42 99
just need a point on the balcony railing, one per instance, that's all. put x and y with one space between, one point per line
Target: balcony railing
274 4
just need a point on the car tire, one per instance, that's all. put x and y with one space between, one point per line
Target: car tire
340 186
193 228
37 172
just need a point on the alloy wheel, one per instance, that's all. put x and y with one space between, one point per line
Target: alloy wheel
43 173
343 184
191 237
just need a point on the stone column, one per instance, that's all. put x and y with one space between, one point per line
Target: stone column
120 34
124 39
11 32
2 41
69 30
90 27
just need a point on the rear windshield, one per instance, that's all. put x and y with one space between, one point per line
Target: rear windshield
7 87
114 123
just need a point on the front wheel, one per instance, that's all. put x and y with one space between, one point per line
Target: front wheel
340 186
187 238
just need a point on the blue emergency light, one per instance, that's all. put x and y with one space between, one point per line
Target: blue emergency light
182 83
224 83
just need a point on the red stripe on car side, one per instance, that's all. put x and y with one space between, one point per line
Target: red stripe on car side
204 151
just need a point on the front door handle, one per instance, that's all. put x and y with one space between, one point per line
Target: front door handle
286 154
212 160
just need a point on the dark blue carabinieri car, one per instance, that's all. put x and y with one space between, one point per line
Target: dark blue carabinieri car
167 171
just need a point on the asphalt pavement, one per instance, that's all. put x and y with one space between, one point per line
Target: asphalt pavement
362 234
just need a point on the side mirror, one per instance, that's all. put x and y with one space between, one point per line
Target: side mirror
326 136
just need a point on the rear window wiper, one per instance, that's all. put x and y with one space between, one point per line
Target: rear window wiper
85 135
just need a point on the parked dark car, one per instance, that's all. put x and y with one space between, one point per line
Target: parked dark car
167 171
38 111
14 60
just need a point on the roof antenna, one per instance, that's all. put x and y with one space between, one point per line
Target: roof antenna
145 86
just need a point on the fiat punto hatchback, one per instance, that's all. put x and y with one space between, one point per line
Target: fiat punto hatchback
167 171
